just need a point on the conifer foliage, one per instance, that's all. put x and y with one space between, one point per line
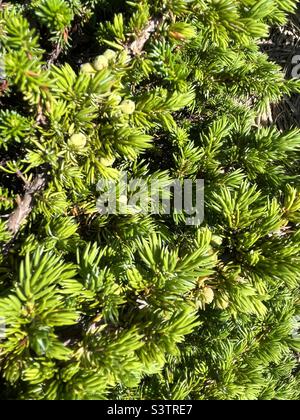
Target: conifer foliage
140 306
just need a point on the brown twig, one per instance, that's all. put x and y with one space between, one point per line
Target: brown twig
25 204
54 55
136 47
57 50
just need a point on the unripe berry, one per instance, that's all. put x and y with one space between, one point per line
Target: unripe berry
222 302
107 161
115 100
78 141
127 107
123 57
110 55
100 63
87 68
216 240
208 294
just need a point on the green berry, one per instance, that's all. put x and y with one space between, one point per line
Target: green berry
100 63
107 161
123 57
208 294
87 68
78 141
217 240
115 100
127 107
110 55
222 302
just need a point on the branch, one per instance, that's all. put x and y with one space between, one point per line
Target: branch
57 50
136 47
54 55
25 204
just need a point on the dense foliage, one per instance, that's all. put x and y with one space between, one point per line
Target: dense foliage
145 305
